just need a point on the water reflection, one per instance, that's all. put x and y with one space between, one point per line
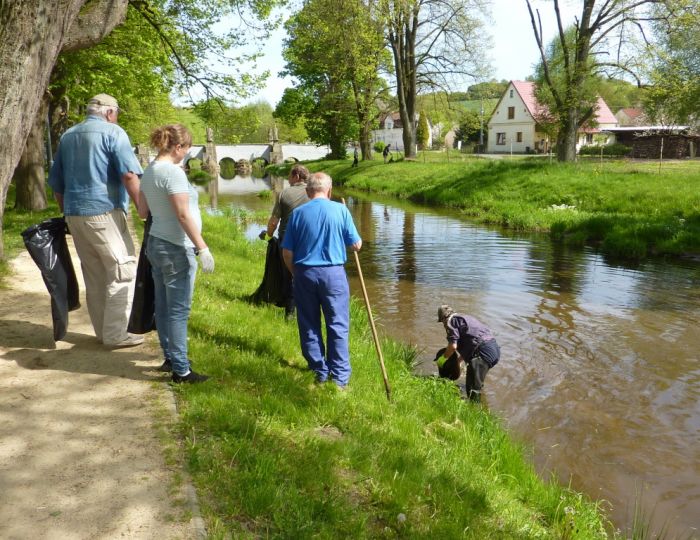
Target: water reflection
599 369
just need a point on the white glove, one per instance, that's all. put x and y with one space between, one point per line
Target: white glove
207 260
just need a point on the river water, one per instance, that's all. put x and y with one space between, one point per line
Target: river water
599 373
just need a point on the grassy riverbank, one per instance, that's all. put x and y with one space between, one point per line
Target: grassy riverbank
628 209
273 455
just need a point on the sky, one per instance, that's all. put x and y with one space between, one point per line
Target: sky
513 53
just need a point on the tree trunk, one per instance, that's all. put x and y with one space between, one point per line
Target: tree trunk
32 33
366 141
566 138
30 173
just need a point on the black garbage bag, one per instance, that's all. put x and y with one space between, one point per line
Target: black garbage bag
46 243
143 308
271 289
451 369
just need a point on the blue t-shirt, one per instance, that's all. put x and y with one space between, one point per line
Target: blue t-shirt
88 167
318 233
161 180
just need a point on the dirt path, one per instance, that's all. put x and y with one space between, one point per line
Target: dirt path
80 455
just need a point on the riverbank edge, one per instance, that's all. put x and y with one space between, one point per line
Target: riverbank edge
240 420
570 202
251 430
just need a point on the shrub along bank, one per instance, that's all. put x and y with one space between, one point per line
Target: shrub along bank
628 209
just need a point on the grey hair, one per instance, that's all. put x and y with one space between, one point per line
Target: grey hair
94 109
319 181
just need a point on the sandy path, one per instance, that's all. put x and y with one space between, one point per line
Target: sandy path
79 452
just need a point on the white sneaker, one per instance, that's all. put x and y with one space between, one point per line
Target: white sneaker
130 341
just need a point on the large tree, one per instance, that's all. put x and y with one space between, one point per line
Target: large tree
435 43
582 52
181 46
337 73
32 33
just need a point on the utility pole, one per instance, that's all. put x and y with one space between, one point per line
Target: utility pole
481 127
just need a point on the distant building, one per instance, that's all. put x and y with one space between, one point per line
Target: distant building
391 131
631 116
655 142
514 126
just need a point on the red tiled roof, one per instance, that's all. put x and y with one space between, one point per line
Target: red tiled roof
603 114
632 112
526 90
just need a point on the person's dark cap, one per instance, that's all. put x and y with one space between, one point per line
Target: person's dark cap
444 311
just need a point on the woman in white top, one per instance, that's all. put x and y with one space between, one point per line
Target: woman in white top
175 239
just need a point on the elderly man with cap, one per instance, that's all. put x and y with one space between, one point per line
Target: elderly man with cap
95 172
475 344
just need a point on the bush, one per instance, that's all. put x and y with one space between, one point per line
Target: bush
199 177
616 149
379 146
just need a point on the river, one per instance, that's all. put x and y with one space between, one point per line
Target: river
599 373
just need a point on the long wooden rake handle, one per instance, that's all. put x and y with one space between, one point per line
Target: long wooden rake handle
371 323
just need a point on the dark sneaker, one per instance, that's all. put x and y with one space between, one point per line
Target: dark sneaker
191 377
166 367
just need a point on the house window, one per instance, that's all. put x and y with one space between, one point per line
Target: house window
511 113
519 136
500 138
389 123
511 93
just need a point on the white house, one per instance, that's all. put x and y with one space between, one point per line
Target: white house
513 125
391 131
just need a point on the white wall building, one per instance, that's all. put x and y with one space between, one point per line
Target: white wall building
391 131
513 125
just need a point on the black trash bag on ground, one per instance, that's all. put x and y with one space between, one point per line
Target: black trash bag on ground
271 289
143 308
46 243
451 369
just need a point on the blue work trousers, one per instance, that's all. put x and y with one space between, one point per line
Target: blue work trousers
174 269
316 289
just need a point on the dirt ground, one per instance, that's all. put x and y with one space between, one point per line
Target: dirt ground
80 453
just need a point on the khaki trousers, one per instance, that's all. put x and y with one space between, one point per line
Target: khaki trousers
107 258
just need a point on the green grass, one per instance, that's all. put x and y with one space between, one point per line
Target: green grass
273 455
628 209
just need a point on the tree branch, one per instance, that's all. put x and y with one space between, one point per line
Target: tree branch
94 23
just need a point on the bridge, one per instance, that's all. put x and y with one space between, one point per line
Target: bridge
254 152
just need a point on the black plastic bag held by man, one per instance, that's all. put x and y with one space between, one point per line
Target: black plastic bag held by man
271 289
143 309
46 243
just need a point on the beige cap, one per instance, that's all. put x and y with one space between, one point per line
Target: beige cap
105 100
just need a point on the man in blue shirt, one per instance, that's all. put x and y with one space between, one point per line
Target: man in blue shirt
314 250
94 173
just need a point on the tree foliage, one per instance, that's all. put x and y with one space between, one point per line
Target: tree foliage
422 131
673 96
469 127
337 73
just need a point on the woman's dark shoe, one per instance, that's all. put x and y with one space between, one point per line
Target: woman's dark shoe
191 377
